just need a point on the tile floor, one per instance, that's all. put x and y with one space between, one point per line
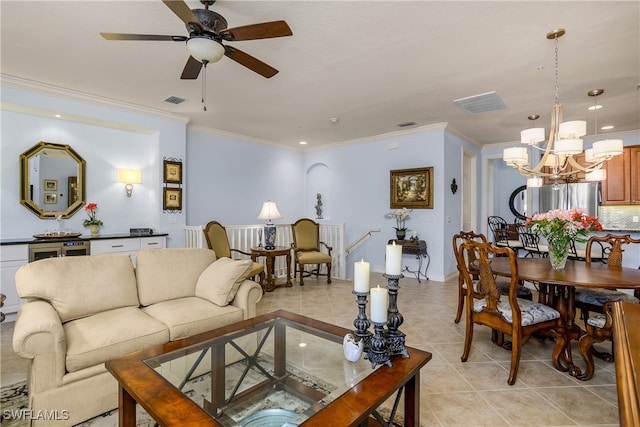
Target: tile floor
474 393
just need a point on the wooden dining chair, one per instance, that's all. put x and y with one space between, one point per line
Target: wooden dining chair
592 301
509 314
216 236
458 239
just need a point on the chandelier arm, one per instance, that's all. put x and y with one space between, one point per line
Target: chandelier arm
556 118
588 168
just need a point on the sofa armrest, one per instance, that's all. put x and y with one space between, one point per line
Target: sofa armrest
248 295
38 335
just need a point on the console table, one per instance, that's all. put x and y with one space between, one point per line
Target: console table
419 249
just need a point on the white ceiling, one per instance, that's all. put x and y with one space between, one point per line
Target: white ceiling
371 64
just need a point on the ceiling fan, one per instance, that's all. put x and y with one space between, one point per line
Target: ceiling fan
207 32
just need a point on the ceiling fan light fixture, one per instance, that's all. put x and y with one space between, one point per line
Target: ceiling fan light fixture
205 49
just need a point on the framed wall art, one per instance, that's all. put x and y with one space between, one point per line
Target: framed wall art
172 172
50 198
411 188
172 199
51 185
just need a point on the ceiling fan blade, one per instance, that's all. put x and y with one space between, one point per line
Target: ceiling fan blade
265 30
146 37
250 62
191 69
181 9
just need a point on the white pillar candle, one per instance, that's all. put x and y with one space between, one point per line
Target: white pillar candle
393 266
379 304
361 276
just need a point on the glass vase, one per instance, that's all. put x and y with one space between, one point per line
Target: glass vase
558 253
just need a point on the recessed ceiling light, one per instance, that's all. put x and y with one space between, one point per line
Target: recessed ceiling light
334 120
608 127
595 107
58 116
303 142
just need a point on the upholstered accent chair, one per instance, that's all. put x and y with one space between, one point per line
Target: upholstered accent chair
216 237
502 235
592 301
308 249
508 315
459 239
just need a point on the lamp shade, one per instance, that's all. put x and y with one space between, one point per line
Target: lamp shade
534 182
596 175
572 130
205 49
130 176
532 136
269 211
567 147
607 148
515 155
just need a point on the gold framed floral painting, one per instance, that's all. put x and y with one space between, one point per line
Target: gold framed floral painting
172 172
411 188
172 199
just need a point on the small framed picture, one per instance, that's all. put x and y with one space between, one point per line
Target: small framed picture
172 199
50 198
51 185
172 172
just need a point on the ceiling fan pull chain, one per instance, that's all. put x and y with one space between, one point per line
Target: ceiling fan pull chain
204 85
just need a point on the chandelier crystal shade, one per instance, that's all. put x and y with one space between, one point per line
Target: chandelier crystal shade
564 143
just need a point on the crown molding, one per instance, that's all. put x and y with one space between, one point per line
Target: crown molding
47 89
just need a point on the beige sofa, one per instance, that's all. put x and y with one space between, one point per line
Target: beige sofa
83 311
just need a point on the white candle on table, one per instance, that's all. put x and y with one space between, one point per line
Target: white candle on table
379 304
361 276
393 266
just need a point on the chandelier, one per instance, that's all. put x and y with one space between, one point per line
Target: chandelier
564 143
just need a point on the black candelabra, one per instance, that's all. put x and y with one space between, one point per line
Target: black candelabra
361 322
395 337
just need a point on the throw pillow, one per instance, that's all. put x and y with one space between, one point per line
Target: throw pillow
220 281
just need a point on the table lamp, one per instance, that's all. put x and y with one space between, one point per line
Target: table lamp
269 211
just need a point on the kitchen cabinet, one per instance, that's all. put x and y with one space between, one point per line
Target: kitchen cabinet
622 186
12 257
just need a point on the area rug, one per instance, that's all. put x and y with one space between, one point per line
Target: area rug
15 398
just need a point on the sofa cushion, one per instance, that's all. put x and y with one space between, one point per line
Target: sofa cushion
80 286
95 339
192 315
166 274
220 281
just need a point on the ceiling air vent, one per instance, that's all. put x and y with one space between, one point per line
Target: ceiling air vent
174 100
482 103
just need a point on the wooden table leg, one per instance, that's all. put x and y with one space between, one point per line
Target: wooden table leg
412 401
289 283
126 409
566 331
269 283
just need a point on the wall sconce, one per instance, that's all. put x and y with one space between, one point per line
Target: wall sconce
129 177
454 186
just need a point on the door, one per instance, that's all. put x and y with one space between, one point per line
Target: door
469 193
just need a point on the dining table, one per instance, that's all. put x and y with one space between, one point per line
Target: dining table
557 288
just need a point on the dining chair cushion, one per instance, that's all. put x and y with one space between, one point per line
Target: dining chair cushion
597 320
532 312
598 296
510 243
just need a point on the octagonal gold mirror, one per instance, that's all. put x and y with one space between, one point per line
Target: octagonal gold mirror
52 180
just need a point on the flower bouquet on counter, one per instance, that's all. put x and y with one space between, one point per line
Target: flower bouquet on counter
91 209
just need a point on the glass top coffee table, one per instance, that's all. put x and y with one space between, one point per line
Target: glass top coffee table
277 369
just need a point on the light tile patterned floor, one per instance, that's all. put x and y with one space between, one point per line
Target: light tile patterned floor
453 393
474 393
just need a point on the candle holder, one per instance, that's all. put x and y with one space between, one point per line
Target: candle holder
394 318
361 322
379 353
